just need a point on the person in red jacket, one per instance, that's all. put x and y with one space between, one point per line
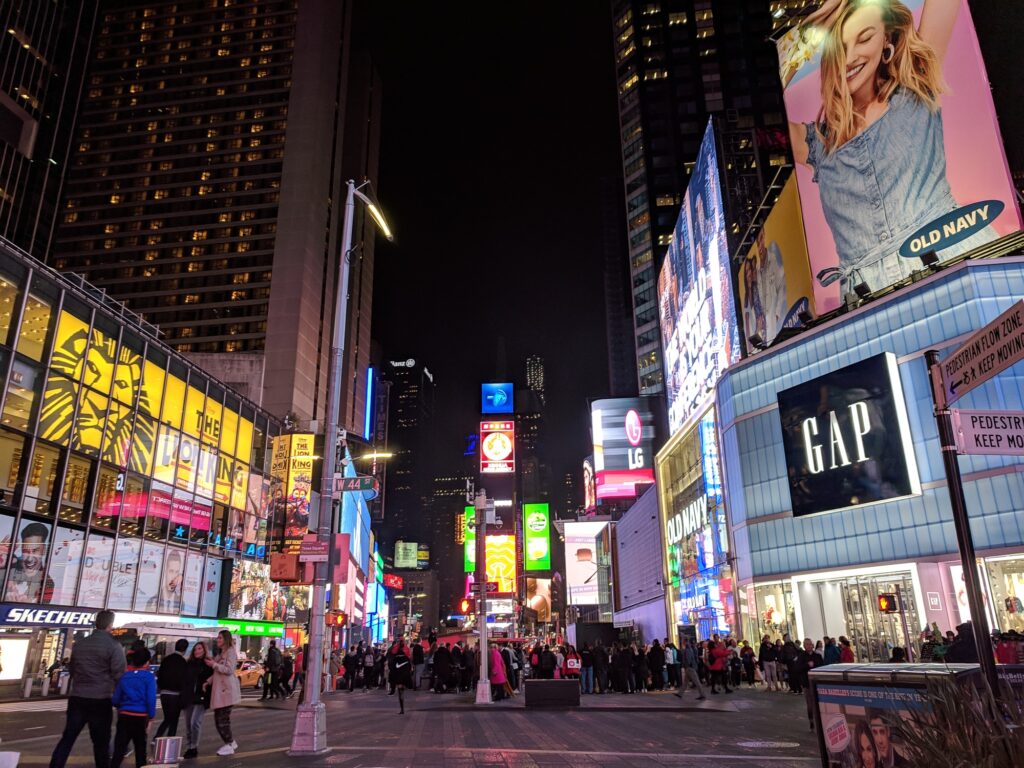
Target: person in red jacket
718 653
845 651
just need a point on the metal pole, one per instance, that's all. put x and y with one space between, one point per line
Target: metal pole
309 736
483 686
961 523
903 621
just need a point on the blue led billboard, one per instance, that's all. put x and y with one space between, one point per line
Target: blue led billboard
497 398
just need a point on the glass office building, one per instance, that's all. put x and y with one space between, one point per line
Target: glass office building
129 479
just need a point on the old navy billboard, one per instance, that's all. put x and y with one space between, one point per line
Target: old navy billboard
895 136
623 431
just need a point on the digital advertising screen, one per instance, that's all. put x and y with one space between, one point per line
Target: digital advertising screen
899 154
847 438
497 398
497 447
537 537
775 275
695 300
501 562
405 555
623 432
581 566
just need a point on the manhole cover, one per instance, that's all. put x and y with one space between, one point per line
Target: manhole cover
768 744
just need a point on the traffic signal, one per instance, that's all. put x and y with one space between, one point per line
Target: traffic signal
887 603
467 605
336 619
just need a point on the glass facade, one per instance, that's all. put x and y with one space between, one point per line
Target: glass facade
126 475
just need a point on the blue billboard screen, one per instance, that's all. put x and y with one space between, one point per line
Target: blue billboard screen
497 398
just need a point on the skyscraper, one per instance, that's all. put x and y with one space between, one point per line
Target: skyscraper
622 380
679 62
535 377
409 470
44 47
207 186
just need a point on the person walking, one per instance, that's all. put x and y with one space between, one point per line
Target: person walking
787 658
399 671
688 670
369 668
287 670
749 662
807 659
300 670
671 664
170 680
656 664
418 662
225 691
195 697
97 663
600 668
271 672
442 668
135 699
766 657
587 669
351 666
573 664
845 651
832 654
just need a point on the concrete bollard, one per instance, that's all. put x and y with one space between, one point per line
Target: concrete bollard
28 687
64 681
46 686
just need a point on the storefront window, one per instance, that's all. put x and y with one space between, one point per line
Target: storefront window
133 509
126 569
42 475
22 395
770 611
218 525
76 487
6 543
202 510
1006 578
181 517
65 563
108 498
27 581
99 552
12 448
149 576
35 325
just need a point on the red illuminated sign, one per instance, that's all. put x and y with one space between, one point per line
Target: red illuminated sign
634 427
497 447
394 582
621 484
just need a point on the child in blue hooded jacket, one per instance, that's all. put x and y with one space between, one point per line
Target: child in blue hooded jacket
135 699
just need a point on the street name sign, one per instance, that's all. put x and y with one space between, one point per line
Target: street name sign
990 351
989 432
313 551
359 483
492 587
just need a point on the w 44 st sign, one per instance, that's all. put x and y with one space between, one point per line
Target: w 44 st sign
358 483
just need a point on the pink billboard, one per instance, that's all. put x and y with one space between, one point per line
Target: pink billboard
894 133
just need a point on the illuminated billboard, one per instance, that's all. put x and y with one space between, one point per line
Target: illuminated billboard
898 150
775 275
405 555
501 562
293 462
538 597
695 300
469 539
497 398
589 493
623 431
581 562
497 447
536 537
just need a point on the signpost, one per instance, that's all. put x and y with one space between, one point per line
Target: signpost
990 351
492 587
999 433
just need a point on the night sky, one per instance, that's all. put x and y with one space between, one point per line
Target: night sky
497 129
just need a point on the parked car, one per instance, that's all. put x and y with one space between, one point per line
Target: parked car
250 673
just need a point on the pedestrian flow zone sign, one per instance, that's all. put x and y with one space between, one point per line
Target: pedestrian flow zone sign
989 432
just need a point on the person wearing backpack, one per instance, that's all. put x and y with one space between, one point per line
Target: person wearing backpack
548 663
369 662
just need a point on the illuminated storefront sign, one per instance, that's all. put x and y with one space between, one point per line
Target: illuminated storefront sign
700 588
537 537
497 447
847 438
623 431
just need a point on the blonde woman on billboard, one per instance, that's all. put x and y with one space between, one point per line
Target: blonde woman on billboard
876 148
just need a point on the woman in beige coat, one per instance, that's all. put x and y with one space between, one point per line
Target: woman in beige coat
225 690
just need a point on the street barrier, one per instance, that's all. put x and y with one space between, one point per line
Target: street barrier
552 693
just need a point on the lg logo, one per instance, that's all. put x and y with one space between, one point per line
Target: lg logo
634 434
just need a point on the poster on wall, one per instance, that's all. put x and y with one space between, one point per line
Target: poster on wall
126 570
99 552
695 300
210 603
775 274
6 541
191 585
847 438
920 168
27 581
150 563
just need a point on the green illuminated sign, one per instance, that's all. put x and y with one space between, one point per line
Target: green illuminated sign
536 537
469 537
252 628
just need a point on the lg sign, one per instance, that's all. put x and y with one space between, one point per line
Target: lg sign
622 450
634 434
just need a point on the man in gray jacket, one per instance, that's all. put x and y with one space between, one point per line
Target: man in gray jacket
97 663
688 660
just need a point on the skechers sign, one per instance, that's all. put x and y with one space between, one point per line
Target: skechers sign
20 615
847 438
496 398
623 431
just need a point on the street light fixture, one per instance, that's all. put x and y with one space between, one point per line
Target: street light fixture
374 456
309 736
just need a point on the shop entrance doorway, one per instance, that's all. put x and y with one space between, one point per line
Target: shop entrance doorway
874 634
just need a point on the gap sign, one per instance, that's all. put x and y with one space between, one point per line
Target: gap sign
989 432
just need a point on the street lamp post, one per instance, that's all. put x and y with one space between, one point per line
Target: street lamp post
309 736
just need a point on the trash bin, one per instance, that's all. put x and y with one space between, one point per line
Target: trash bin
166 749
855 705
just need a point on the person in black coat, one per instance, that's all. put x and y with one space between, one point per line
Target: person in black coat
195 697
442 668
170 679
399 671
287 670
656 663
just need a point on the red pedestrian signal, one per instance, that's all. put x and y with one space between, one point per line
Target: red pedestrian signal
887 603
467 606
